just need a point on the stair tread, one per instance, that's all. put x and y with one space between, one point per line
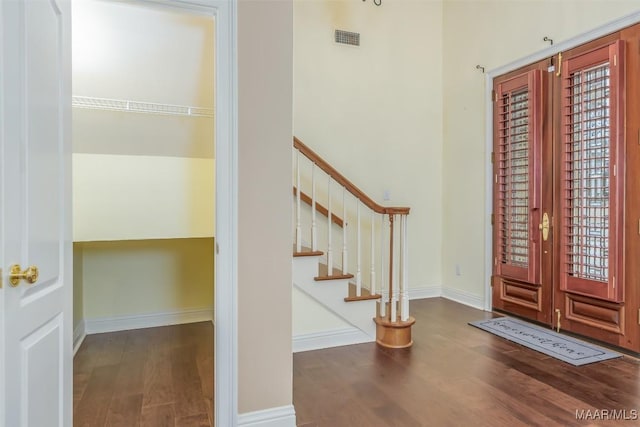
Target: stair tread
306 252
365 294
362 298
323 273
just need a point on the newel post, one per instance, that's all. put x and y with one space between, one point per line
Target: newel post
393 330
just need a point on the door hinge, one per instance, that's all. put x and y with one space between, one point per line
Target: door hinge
493 157
614 282
494 95
615 170
493 219
615 60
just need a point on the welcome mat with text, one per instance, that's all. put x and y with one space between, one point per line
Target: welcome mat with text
546 341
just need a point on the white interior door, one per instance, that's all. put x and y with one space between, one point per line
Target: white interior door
36 359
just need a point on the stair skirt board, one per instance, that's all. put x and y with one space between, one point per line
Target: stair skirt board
281 416
330 338
148 320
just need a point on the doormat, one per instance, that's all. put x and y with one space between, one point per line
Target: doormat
546 341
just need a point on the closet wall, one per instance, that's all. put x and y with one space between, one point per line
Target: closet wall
143 182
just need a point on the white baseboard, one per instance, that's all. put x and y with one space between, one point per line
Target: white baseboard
149 320
463 297
79 334
328 339
281 416
421 292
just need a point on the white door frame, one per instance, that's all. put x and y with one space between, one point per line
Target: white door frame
593 34
226 233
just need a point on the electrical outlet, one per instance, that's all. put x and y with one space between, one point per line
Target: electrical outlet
386 196
458 270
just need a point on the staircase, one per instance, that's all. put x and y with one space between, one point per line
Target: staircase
364 282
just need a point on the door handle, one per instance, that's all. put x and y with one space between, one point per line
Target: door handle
545 226
30 275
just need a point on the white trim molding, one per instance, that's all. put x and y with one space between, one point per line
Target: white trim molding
421 292
79 334
456 295
147 320
463 297
330 338
603 30
281 416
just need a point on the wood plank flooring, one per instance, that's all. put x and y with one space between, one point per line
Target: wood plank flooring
458 375
155 377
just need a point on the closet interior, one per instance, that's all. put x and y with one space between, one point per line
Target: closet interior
143 166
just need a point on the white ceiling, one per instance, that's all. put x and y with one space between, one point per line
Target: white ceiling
146 54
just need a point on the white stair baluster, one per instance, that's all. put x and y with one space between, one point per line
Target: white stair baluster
394 283
404 297
314 239
345 264
358 253
298 191
373 253
383 300
329 249
400 264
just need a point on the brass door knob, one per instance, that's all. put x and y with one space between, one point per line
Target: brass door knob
30 275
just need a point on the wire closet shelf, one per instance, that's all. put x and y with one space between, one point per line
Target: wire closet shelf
130 106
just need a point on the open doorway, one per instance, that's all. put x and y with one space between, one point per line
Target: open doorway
144 168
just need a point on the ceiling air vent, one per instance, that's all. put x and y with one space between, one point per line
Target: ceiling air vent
347 37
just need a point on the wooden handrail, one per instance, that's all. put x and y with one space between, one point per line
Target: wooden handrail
321 209
350 187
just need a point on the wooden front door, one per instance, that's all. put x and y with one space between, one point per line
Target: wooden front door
523 190
562 193
591 162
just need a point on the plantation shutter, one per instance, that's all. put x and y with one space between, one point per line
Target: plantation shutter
592 173
517 194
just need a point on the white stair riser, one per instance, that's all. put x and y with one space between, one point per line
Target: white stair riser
305 268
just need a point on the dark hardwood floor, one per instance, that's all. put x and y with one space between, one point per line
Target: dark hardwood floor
458 375
153 377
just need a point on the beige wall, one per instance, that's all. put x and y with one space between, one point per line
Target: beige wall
118 197
264 201
134 277
142 179
130 51
490 33
375 111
